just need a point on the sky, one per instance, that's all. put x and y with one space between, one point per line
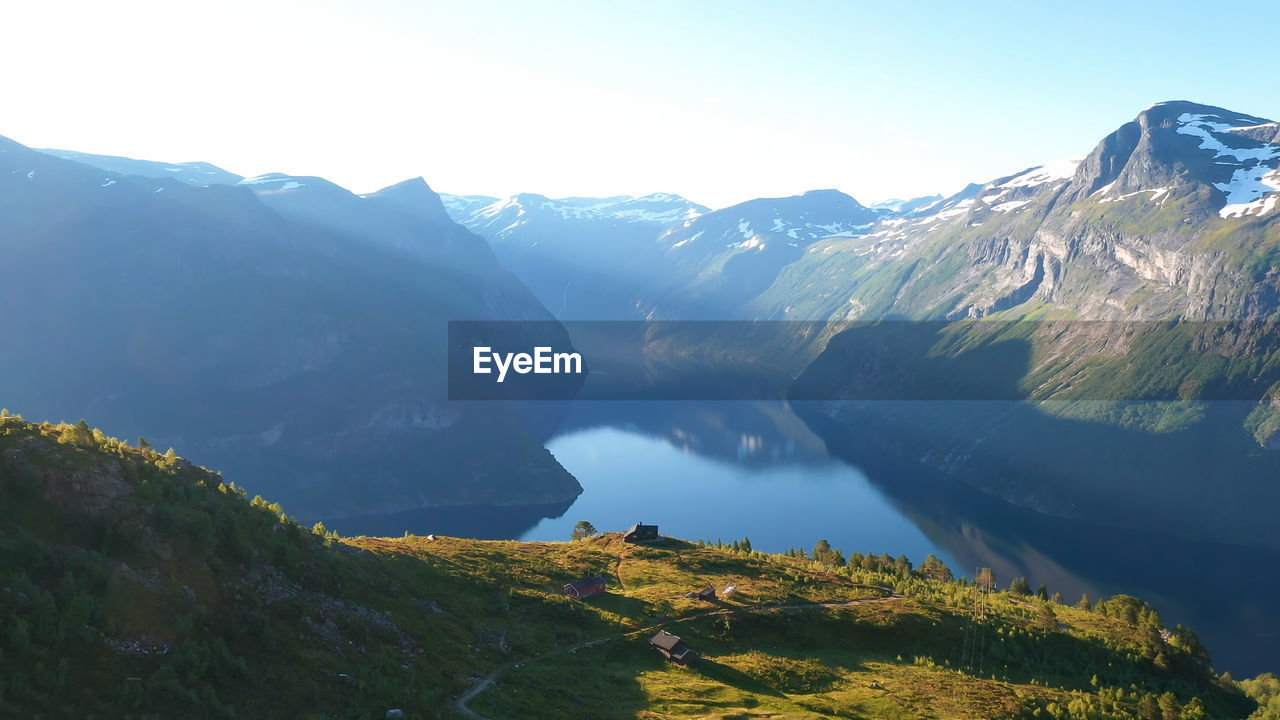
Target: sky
718 101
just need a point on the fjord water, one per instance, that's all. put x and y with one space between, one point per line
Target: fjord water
732 470
630 477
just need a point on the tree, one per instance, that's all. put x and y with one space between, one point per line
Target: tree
1047 619
903 564
935 569
1085 603
1169 707
583 530
1186 640
78 434
1042 592
1020 586
822 552
986 578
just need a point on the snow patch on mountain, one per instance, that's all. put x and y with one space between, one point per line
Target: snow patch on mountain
1055 171
1058 171
284 182
1252 187
659 209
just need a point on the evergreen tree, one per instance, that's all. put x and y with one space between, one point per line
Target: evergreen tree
903 564
1042 592
822 551
935 569
1085 603
1020 586
1047 619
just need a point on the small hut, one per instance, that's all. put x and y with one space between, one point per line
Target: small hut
586 587
707 594
673 648
640 533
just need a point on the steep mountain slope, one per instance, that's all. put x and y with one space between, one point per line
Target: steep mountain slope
585 258
135 584
294 337
1171 218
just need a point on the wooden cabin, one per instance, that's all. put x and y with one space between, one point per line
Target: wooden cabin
640 533
673 648
586 587
707 593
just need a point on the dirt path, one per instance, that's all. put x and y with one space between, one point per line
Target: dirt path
485 682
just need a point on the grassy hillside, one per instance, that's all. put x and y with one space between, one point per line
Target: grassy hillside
133 584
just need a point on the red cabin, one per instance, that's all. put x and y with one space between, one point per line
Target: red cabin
586 587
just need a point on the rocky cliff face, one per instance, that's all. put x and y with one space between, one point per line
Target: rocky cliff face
1171 216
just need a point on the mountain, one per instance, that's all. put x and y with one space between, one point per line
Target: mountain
1170 216
584 258
1119 309
725 258
198 174
284 329
133 583
629 258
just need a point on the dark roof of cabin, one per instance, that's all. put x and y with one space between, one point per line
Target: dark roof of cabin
587 583
708 590
665 640
641 527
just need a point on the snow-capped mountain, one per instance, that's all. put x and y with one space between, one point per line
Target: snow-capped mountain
724 258
794 221
500 219
1172 218
585 258
1171 215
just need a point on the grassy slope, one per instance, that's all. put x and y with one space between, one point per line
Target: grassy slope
134 584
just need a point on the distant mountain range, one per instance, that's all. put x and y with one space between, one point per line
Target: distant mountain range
200 304
1179 177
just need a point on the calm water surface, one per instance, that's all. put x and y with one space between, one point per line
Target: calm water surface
629 477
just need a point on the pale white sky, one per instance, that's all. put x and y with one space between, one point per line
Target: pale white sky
718 101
